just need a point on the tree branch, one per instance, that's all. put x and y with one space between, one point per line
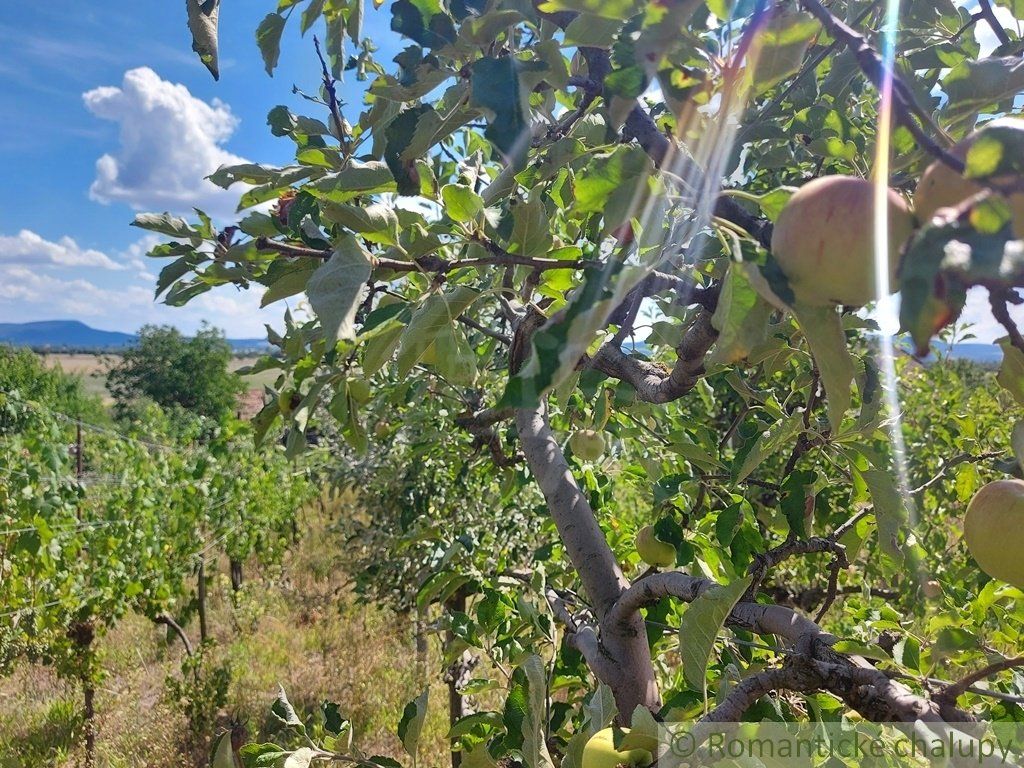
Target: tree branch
866 689
1000 301
653 383
167 620
989 15
952 692
960 458
431 263
905 106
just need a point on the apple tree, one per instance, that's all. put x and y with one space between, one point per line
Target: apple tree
570 231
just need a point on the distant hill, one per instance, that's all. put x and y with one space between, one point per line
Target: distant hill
67 335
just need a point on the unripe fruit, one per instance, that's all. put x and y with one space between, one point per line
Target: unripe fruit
994 530
600 752
652 551
588 444
382 429
942 187
931 589
824 240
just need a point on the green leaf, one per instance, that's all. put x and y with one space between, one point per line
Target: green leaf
436 314
461 203
610 9
1011 372
334 289
496 89
890 513
797 489
778 436
202 23
975 85
823 329
741 318
778 51
525 714
424 21
287 278
411 724
699 628
300 758
531 230
399 135
223 756
1017 443
268 38
166 224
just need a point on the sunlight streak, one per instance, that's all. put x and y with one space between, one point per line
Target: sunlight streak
886 311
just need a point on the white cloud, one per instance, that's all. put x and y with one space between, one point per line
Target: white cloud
27 247
977 315
27 294
169 142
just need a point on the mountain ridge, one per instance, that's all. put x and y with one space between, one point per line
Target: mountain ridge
57 335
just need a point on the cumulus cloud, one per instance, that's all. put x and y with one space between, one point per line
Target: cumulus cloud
27 247
27 294
169 142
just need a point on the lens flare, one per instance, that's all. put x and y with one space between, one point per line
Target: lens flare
886 311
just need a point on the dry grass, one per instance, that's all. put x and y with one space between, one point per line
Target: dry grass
93 370
297 626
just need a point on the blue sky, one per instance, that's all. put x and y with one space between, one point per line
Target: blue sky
104 111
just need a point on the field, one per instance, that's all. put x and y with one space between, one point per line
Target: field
299 627
93 370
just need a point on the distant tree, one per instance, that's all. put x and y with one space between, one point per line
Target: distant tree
172 370
23 371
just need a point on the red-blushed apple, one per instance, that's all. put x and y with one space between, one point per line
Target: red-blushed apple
824 240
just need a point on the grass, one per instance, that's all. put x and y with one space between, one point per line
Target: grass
296 625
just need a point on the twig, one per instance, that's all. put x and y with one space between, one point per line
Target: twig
496 335
953 691
430 263
332 95
989 15
961 458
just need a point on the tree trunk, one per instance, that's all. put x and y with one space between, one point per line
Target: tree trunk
236 574
89 717
457 673
421 643
630 672
201 597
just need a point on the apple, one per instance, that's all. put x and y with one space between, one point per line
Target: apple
824 240
932 589
942 187
600 752
588 444
652 550
994 530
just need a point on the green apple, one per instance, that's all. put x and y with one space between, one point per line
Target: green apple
824 240
994 530
653 551
600 752
588 444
